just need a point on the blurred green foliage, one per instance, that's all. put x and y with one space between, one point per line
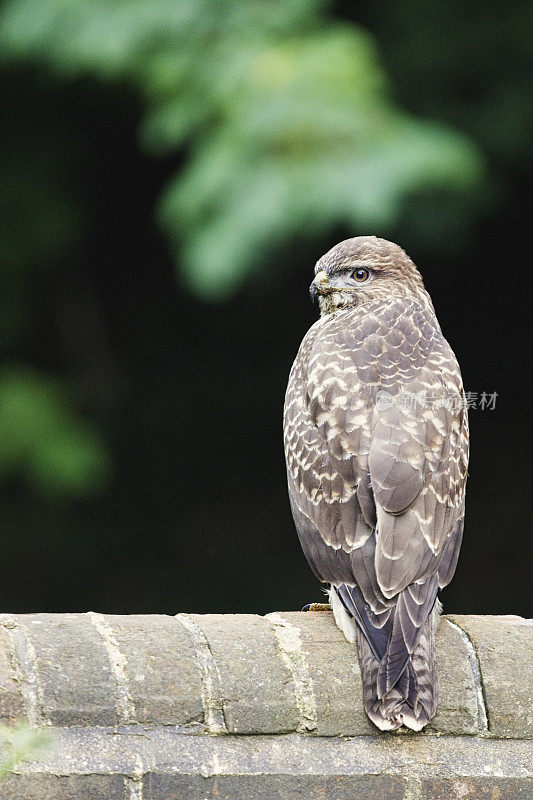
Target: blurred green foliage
43 440
21 743
284 117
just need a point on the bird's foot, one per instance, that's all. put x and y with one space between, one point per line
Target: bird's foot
317 607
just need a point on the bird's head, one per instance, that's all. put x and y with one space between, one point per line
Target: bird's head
362 269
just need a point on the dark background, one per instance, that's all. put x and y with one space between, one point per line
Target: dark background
187 394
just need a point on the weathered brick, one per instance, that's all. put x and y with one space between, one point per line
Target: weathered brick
485 788
257 689
74 679
504 647
41 786
457 711
275 787
163 680
334 670
11 703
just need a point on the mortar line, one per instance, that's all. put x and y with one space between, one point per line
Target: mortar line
135 780
413 787
124 705
212 700
289 642
24 664
134 786
475 666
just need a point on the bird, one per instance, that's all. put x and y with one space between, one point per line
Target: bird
376 447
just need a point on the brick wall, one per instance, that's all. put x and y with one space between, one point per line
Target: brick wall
238 707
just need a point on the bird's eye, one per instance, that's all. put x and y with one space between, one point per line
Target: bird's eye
360 275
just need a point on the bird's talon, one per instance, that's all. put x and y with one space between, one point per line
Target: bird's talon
317 607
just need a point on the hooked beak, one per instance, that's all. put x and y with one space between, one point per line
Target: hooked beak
319 282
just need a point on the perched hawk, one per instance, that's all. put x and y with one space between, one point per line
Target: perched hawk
376 444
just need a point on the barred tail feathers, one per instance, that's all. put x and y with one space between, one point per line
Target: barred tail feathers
400 685
412 701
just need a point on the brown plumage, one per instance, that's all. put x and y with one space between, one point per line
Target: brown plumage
376 444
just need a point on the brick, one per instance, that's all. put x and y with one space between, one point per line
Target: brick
257 689
74 677
63 787
334 670
457 712
504 647
275 787
161 670
477 789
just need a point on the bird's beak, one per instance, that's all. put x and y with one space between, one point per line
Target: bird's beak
320 280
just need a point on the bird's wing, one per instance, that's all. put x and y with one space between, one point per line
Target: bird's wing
417 464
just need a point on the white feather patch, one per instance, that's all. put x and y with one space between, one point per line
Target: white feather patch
342 618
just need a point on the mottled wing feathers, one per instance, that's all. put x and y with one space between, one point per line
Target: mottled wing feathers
417 464
396 459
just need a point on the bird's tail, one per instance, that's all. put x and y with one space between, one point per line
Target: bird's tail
412 700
